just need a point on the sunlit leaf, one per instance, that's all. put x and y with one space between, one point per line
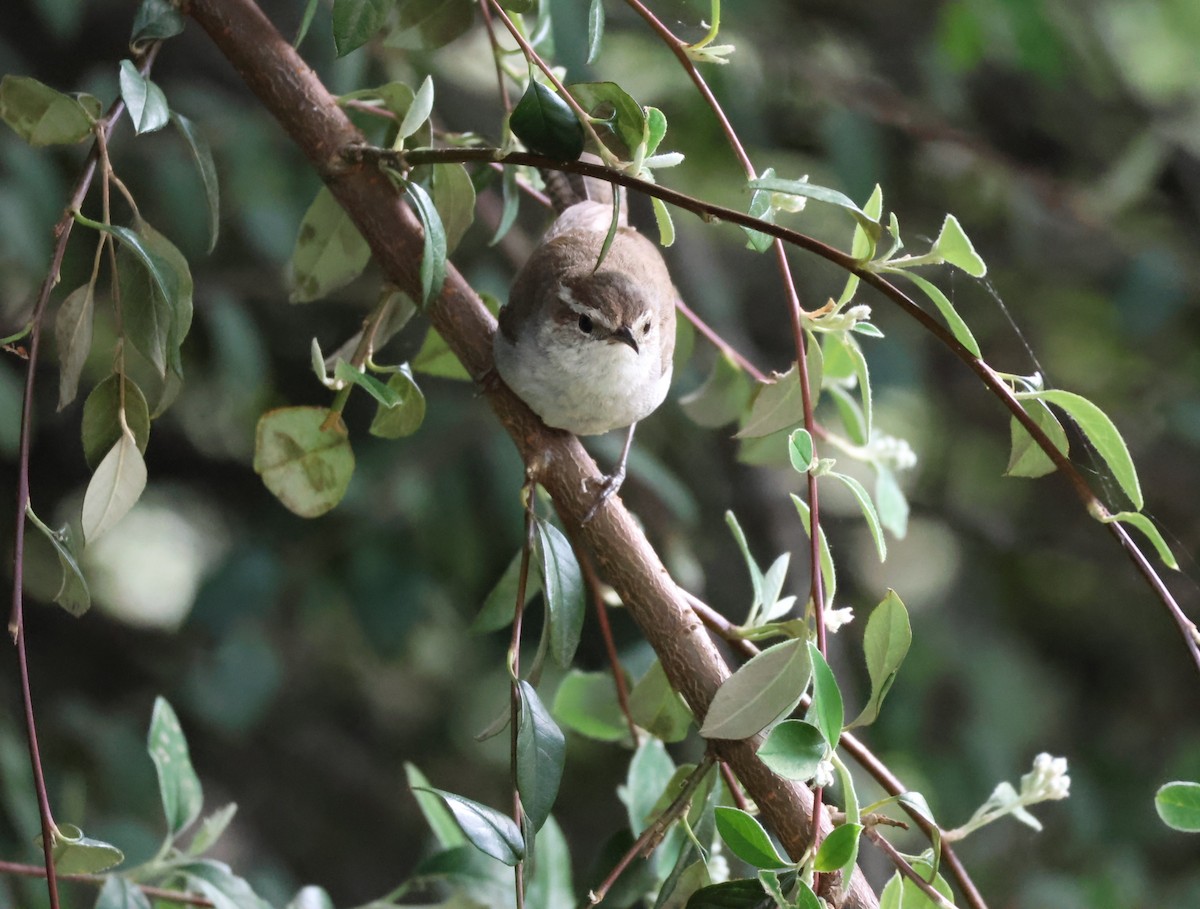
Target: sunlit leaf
303 455
418 112
1146 526
541 753
114 488
546 124
793 749
1178 804
891 502
662 217
1026 458
311 897
800 450
955 247
747 839
957 326
762 690
73 335
178 785
821 194
828 573
202 155
42 116
144 100
838 849
329 251
489 831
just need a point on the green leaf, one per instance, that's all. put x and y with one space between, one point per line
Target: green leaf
144 100
793 749
858 367
329 251
211 829
1101 432
954 321
550 886
747 839
562 583
1026 458
73 335
202 155
656 130
838 849
433 255
777 404
155 20
756 575
101 427
868 510
386 396
219 885
303 456
541 753
489 831
430 24
73 594
805 898
800 450
890 500
114 488
42 116
900 891
405 416
1146 526
1178 804
955 247
722 398
658 708
662 217
610 103
355 22
121 893
512 204
156 295
74 853
418 112
886 642
434 810
500 606
763 689
826 711
178 785
587 703
454 197
739 894
772 184
595 29
828 573
651 772
545 123
310 10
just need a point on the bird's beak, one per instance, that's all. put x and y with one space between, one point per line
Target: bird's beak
624 334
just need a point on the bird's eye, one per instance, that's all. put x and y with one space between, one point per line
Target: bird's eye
646 327
585 325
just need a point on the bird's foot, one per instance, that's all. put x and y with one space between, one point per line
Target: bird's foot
605 490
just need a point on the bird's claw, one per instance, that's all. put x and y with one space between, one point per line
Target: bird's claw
607 487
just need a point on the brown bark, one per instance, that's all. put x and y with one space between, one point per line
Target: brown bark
294 95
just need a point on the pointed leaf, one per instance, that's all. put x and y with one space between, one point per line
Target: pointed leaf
489 831
954 321
722 398
405 416
762 690
419 111
562 583
1178 804
73 594
546 124
101 424
75 853
747 839
73 335
886 642
454 197
541 753
826 710
890 500
436 814
303 455
838 849
119 892
430 24
793 749
1146 526
433 256
1026 458
868 510
512 204
778 404
595 29
828 573
500 606
144 100
178 784
202 155
662 218
211 829
155 20
658 708
42 116
756 575
609 101
329 251
355 22
822 194
114 488
1101 432
955 247
586 702
386 396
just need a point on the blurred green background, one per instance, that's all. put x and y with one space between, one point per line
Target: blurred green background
309 659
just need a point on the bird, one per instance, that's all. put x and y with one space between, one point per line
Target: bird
585 339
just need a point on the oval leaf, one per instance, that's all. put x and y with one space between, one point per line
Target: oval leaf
433 256
202 155
778 404
793 749
826 709
545 123
405 416
178 785
1026 458
75 853
42 116
722 398
658 708
329 251
541 753
838 849
303 455
1178 804
954 321
144 100
765 688
454 197
155 20
114 488
886 642
747 839
119 892
586 702
489 831
73 335
101 424
418 112
355 22
73 594
562 583
800 450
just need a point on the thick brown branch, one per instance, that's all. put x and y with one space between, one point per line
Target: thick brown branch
296 98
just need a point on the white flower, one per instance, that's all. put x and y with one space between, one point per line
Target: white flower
893 452
836 618
824 775
1047 781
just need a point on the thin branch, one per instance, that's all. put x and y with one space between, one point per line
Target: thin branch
720 343
905 868
155 893
610 646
